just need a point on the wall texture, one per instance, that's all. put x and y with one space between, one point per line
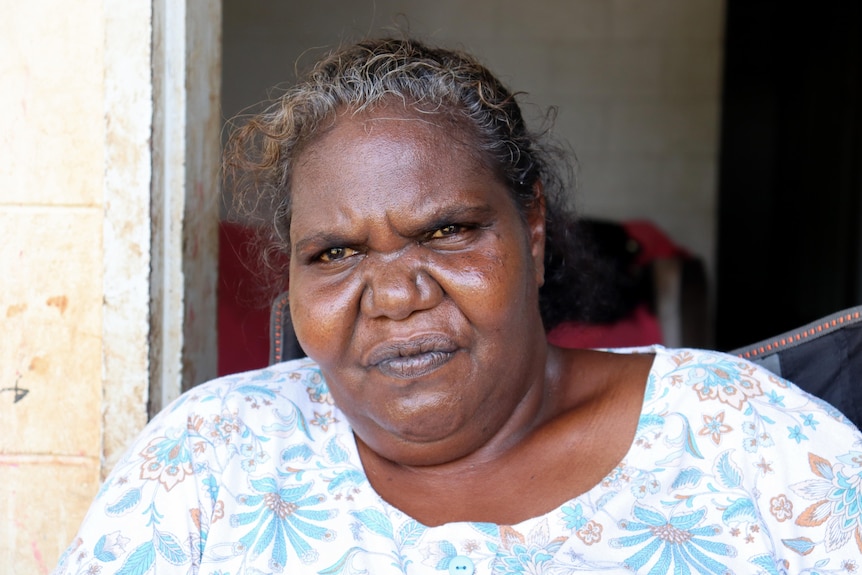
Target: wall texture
80 218
637 83
74 209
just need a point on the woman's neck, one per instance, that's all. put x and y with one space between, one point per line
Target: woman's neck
567 435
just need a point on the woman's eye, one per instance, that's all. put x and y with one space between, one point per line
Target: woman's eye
335 254
445 231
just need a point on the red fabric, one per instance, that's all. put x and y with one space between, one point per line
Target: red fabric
640 328
653 242
243 306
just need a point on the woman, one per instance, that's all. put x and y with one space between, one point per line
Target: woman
433 428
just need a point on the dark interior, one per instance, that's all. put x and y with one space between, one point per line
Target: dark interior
790 187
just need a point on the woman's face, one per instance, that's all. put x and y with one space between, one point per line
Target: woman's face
414 284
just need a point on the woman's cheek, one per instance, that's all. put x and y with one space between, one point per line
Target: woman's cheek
488 277
319 312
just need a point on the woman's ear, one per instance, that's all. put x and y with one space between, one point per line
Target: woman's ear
536 225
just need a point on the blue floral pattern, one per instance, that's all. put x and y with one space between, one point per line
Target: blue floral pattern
732 470
676 543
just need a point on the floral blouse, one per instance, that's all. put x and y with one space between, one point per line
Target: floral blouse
733 470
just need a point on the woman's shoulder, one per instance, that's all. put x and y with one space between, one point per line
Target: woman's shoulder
287 400
713 377
298 383
750 430
234 416
715 394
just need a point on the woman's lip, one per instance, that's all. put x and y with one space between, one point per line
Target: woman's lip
414 366
411 358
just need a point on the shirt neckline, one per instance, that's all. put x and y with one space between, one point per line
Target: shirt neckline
525 525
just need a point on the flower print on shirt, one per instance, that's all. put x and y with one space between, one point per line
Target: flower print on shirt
167 459
521 554
282 514
714 427
781 507
719 378
673 543
837 495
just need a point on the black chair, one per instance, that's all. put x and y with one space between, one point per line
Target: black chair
824 358
283 344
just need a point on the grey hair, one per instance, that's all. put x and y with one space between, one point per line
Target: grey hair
261 153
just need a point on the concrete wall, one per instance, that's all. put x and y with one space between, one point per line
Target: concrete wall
637 83
79 225
74 209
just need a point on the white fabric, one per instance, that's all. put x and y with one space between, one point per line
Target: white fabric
732 470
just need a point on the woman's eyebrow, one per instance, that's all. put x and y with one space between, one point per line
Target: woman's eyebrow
318 240
457 213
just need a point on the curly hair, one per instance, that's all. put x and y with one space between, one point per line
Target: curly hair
261 153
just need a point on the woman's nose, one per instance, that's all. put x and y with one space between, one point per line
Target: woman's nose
397 288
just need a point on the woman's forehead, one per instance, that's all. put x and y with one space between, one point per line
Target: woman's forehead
396 120
384 138
369 165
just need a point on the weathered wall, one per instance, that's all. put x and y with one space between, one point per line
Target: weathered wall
74 210
637 83
79 221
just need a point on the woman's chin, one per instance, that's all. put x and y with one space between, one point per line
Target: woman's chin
429 436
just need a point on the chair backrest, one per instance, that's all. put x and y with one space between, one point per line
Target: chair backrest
823 357
283 344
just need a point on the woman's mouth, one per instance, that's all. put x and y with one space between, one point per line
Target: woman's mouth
414 366
414 358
